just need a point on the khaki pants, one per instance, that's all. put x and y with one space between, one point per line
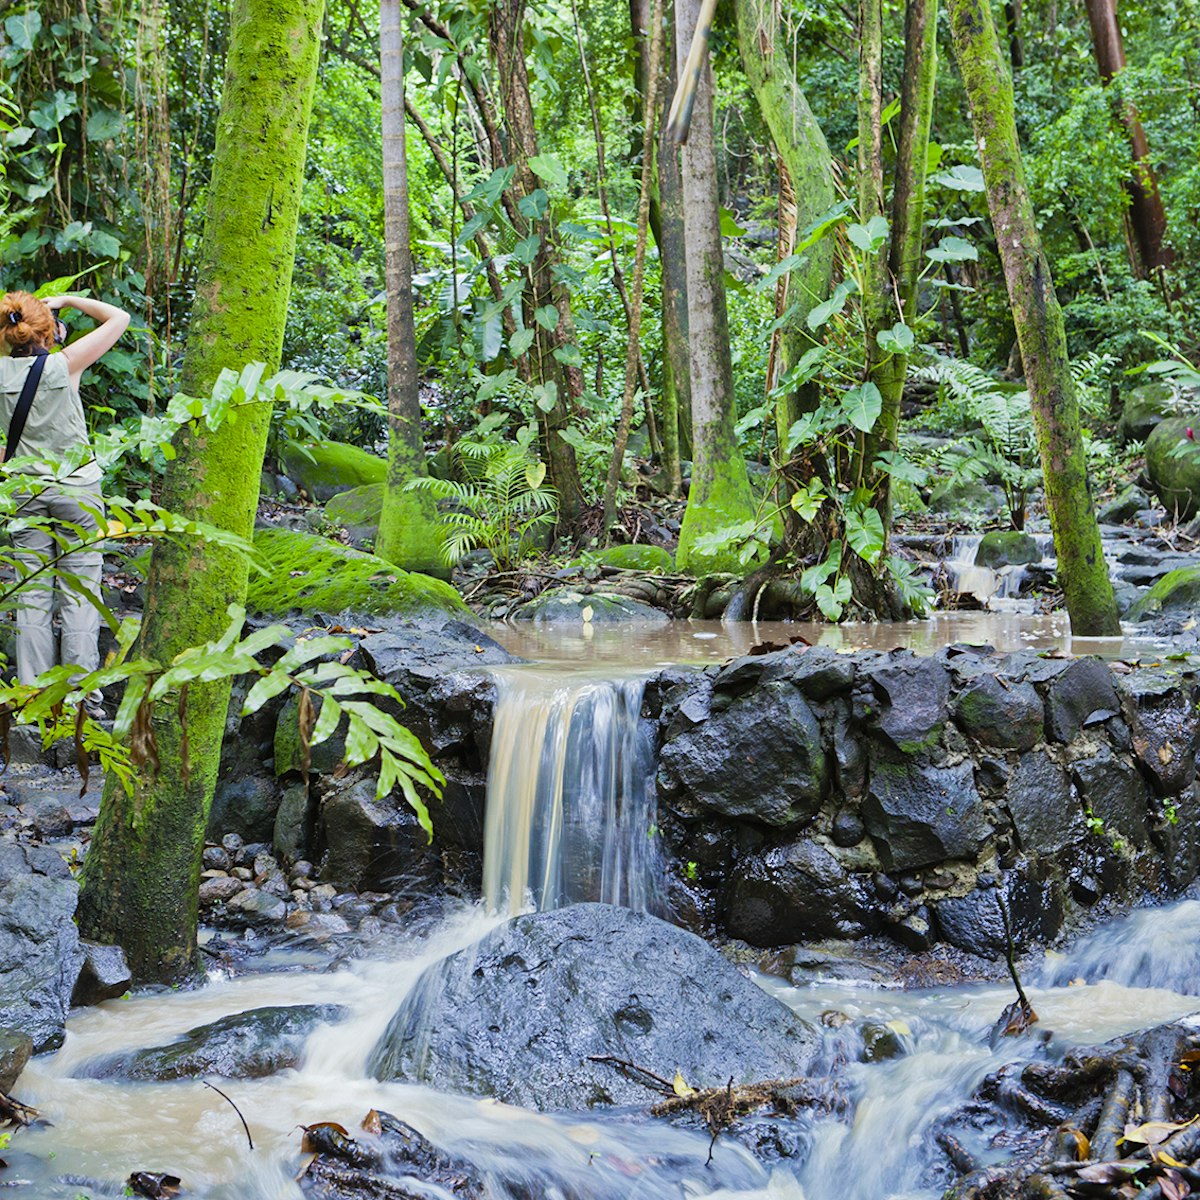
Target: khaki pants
60 507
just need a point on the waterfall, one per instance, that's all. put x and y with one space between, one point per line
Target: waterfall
570 801
998 589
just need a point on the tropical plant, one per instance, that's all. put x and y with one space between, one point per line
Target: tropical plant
502 502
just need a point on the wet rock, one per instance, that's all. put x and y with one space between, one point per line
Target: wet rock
1176 594
1124 506
1080 695
1045 813
245 805
1161 707
216 858
246 1045
1113 790
795 893
913 694
105 975
596 608
40 956
317 927
1175 478
294 822
848 829
519 1015
256 907
369 843
220 888
920 814
762 757
1033 897
1000 713
16 1049
1006 548
1145 406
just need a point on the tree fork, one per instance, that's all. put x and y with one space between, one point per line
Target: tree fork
1039 323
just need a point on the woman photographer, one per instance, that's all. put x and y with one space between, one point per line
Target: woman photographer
53 429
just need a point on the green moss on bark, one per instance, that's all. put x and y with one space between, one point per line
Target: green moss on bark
142 872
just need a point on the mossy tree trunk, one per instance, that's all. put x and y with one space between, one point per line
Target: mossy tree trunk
906 238
142 874
409 533
507 33
1039 322
766 59
720 494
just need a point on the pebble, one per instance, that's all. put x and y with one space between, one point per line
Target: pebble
232 843
243 873
220 887
216 858
259 907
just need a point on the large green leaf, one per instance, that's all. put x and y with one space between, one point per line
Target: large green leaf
547 167
862 406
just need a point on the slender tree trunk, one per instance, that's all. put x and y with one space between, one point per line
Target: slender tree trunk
409 530
720 494
798 138
1146 211
907 229
1039 322
507 33
1016 43
142 874
666 224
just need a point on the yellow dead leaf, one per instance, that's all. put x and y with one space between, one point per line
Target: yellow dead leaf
1165 753
372 1123
900 1028
1083 1147
1161 1156
586 614
115 527
680 1086
1150 1133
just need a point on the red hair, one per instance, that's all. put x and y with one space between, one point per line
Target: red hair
25 321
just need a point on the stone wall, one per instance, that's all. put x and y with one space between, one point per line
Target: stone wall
807 794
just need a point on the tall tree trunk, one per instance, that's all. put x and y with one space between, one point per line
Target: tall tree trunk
1146 212
1039 322
142 874
907 229
507 33
720 494
766 60
409 530
1016 43
666 224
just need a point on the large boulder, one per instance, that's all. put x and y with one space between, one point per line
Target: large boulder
1006 548
322 469
357 511
569 607
1175 594
760 757
40 955
1175 477
635 558
522 1015
1145 407
245 1045
309 574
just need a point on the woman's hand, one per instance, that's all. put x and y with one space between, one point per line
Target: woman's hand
84 351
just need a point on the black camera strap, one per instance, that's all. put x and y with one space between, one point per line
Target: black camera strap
16 427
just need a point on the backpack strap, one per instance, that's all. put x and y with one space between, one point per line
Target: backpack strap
16 427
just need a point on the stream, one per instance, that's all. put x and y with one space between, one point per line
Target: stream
571 817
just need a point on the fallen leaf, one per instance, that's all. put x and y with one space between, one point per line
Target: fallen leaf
680 1086
1083 1146
372 1123
1165 753
1151 1133
1110 1172
154 1185
586 614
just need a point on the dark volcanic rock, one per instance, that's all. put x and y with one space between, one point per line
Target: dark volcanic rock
1046 815
1161 709
795 893
920 814
1112 788
105 974
1081 694
519 1015
914 694
762 757
39 955
1033 898
246 1045
1001 714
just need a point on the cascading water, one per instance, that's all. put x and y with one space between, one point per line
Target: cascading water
571 804
996 587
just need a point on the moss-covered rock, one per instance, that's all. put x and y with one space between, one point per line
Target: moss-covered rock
1145 406
357 511
635 558
1175 479
323 469
1006 548
312 574
566 607
1177 591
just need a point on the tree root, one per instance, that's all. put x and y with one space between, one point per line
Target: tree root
1126 1125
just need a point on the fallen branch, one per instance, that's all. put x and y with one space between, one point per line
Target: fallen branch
234 1107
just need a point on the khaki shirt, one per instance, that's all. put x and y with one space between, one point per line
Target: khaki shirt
55 426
